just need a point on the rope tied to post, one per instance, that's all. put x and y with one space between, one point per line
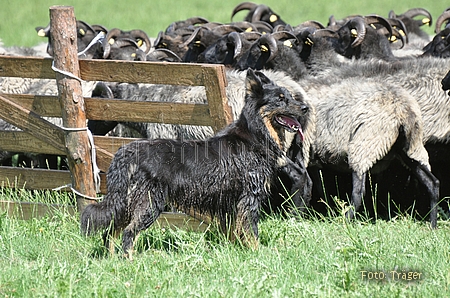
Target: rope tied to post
96 171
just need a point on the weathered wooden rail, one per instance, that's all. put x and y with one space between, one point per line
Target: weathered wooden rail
40 136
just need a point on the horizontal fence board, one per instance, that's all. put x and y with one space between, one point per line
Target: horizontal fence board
156 112
19 141
44 105
26 67
33 178
186 74
29 210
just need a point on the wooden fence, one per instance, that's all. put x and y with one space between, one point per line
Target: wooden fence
40 136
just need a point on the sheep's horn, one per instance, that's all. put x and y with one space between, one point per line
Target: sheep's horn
445 16
392 15
158 39
192 36
269 40
263 26
284 35
99 28
250 36
110 37
225 29
414 12
235 38
360 26
322 33
159 54
140 34
312 23
399 26
243 6
245 26
376 19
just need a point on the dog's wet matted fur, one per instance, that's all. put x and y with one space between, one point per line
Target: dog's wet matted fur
227 177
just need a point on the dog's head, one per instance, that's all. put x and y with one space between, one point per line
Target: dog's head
280 113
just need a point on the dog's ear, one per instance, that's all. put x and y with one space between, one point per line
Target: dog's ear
254 82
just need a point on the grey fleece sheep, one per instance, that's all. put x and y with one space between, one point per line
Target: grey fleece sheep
235 91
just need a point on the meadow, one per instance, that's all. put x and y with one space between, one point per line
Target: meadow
314 257
320 256
20 17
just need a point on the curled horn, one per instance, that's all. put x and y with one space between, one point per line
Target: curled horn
110 39
137 34
235 38
376 19
243 6
259 11
321 33
192 36
161 54
445 16
271 43
359 24
414 12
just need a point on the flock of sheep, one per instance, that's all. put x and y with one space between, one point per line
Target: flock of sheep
379 114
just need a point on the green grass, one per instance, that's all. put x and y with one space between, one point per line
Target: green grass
20 17
315 257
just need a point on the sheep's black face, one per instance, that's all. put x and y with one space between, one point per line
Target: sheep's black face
281 114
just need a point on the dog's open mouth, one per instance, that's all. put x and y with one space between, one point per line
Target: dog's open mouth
290 124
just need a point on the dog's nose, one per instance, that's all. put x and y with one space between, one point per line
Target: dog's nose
304 108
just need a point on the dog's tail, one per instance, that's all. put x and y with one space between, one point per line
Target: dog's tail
96 217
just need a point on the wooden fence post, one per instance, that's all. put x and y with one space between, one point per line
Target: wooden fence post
64 41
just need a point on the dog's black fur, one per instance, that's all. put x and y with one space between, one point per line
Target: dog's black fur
227 177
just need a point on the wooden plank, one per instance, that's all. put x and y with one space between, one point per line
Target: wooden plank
220 112
63 34
31 122
30 210
156 112
44 105
186 74
19 141
26 67
33 178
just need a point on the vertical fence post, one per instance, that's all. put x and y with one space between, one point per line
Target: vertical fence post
64 41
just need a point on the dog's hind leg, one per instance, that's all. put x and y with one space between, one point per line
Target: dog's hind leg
247 217
146 204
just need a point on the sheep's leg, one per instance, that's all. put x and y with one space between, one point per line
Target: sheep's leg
358 191
431 183
301 184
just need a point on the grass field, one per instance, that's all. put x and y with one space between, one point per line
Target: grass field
317 257
20 17
314 257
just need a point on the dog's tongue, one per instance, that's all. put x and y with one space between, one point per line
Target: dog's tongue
293 124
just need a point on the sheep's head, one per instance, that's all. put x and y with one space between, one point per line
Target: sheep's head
258 13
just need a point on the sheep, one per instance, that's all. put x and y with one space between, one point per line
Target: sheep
361 123
259 12
85 34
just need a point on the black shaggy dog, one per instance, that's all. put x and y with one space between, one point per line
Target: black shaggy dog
227 177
